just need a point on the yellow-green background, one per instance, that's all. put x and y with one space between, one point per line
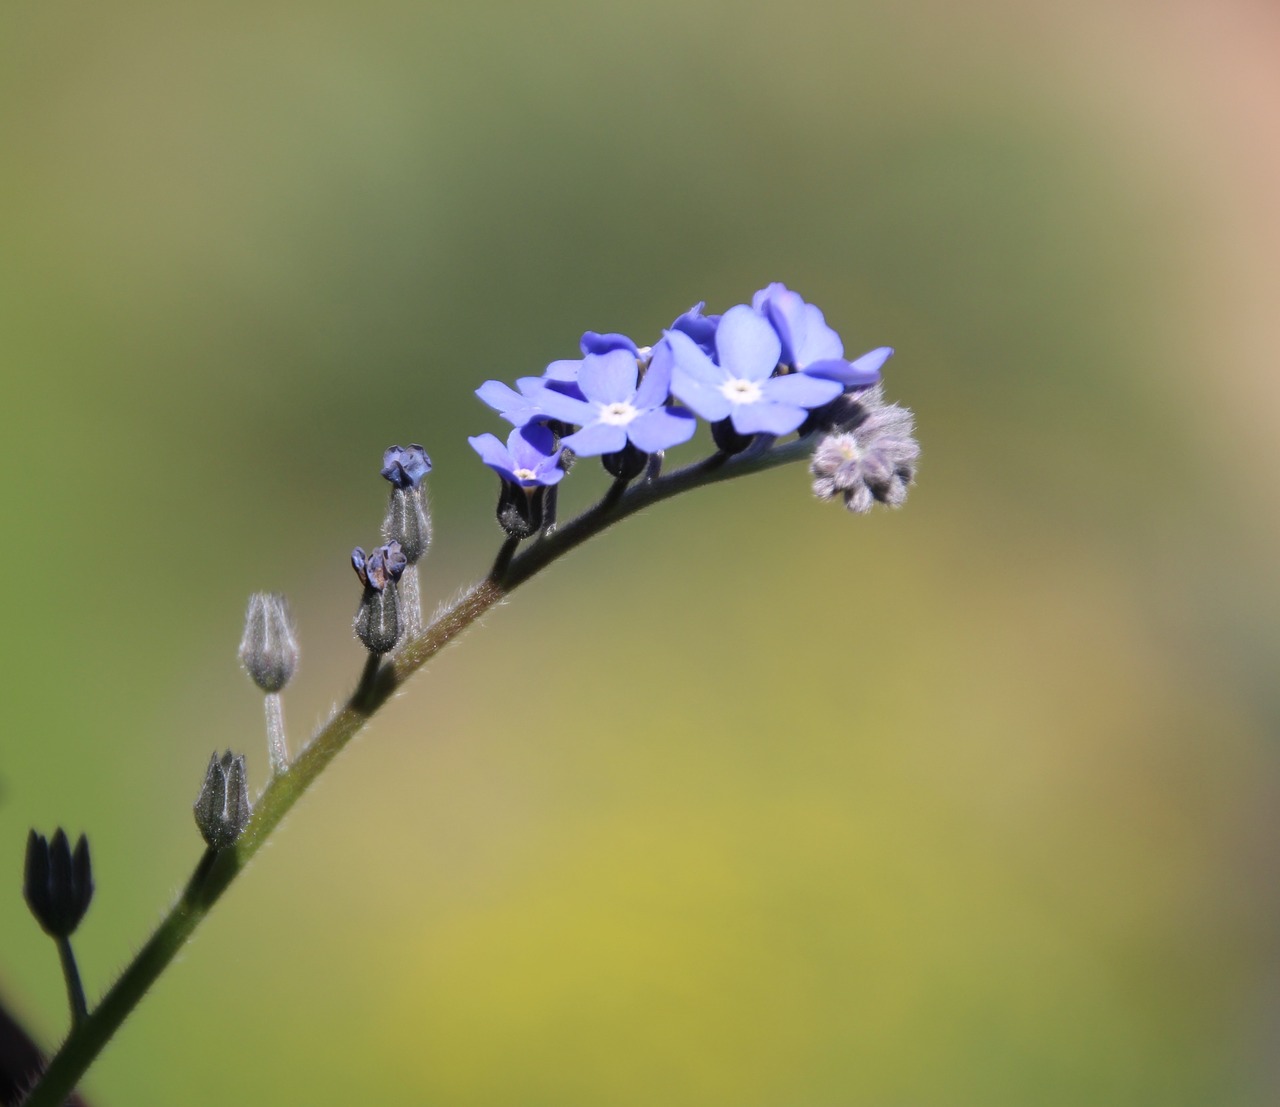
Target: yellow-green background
751 802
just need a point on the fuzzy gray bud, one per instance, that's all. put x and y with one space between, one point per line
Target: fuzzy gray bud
872 461
57 882
409 522
269 649
378 623
222 809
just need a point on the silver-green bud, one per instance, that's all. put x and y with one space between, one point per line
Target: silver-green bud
269 649
222 809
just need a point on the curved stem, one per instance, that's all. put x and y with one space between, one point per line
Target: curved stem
75 990
217 869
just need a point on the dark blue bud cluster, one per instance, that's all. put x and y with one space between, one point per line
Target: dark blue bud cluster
57 882
405 466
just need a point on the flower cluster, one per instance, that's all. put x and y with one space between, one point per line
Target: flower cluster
758 371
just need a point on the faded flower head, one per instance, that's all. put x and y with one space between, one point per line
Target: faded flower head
269 649
872 462
384 565
405 466
57 882
222 809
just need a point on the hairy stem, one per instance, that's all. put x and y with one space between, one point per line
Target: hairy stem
277 748
217 869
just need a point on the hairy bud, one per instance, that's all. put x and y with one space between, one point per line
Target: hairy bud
222 809
269 649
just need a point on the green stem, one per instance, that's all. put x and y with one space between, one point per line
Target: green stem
217 869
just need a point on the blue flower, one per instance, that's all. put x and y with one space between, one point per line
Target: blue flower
618 406
529 459
811 346
740 387
405 466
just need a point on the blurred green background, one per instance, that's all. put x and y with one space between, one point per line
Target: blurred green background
751 802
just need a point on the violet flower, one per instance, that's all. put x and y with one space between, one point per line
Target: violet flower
739 385
528 460
809 345
618 406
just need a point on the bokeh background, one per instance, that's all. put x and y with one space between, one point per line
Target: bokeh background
751 802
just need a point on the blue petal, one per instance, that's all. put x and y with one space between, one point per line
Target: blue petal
661 429
562 371
556 405
494 455
815 339
690 383
608 378
767 418
701 328
599 438
595 343
655 387
507 402
530 445
747 344
853 374
866 369
801 390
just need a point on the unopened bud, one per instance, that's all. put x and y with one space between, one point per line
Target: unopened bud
269 649
377 622
222 809
408 522
57 882
522 511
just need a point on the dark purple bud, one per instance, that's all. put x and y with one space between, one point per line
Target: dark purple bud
57 882
269 649
727 439
385 564
405 466
222 809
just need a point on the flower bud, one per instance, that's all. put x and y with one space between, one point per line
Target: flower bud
408 522
269 649
222 809
57 882
522 511
377 623
627 464
872 461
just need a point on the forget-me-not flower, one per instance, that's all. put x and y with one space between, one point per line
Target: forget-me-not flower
811 346
619 406
529 459
739 385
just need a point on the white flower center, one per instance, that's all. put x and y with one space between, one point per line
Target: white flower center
739 391
617 414
525 474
